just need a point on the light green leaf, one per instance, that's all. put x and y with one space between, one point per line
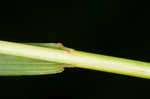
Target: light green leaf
17 66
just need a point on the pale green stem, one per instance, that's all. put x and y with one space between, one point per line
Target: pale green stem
79 59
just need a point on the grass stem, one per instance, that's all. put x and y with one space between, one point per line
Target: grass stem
79 59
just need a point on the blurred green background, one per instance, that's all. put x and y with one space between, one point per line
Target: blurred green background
110 27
